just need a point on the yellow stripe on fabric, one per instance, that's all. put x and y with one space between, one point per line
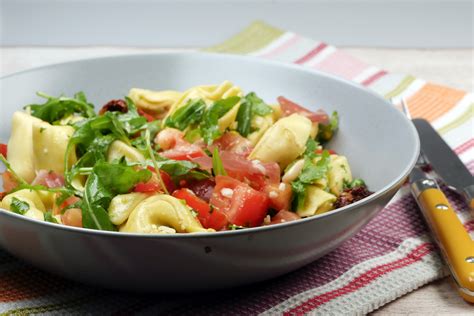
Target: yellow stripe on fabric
256 36
463 118
78 301
408 80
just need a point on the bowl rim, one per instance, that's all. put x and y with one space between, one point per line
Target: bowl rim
254 59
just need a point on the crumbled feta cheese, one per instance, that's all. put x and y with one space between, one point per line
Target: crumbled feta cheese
273 194
227 192
282 187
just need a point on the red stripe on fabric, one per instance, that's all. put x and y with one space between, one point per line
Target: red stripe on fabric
464 147
374 77
416 255
311 53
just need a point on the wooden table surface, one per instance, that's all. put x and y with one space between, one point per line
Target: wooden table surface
447 66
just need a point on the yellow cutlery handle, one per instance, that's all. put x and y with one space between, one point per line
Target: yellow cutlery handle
453 239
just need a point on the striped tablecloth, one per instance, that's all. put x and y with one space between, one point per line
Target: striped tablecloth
390 257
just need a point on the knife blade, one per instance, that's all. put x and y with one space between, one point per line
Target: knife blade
445 162
455 244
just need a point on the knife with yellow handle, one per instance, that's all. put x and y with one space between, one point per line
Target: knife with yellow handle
456 245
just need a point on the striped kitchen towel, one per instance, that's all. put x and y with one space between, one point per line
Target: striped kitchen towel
390 257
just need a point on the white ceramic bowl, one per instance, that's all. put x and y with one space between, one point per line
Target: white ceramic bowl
380 143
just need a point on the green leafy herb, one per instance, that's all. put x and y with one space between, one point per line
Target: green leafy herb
192 135
48 217
120 178
131 121
209 125
94 204
353 184
326 132
217 165
180 169
12 172
187 115
251 105
56 108
311 146
310 173
18 206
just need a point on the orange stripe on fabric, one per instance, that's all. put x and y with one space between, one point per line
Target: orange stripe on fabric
29 283
432 101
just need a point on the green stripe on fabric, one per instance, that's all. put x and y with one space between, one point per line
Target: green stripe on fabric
401 86
463 118
256 36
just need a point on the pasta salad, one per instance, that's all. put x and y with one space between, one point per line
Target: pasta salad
208 159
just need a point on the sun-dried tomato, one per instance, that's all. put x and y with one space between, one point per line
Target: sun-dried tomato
114 106
351 195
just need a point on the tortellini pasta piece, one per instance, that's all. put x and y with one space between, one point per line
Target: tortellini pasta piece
162 214
158 102
209 94
20 145
36 206
122 205
119 149
317 201
261 124
49 146
284 141
339 172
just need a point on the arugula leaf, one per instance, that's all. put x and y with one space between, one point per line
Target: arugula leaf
93 206
119 178
140 142
209 125
217 165
131 121
180 169
48 217
187 115
251 106
326 132
56 108
18 206
244 118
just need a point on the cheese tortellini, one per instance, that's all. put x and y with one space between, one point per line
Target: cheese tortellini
156 102
209 94
162 214
35 204
284 141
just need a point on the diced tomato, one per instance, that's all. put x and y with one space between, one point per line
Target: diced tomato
202 188
255 173
284 216
184 152
3 150
243 205
72 217
175 147
69 201
320 151
279 195
49 179
9 182
233 142
209 218
153 185
289 107
148 117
